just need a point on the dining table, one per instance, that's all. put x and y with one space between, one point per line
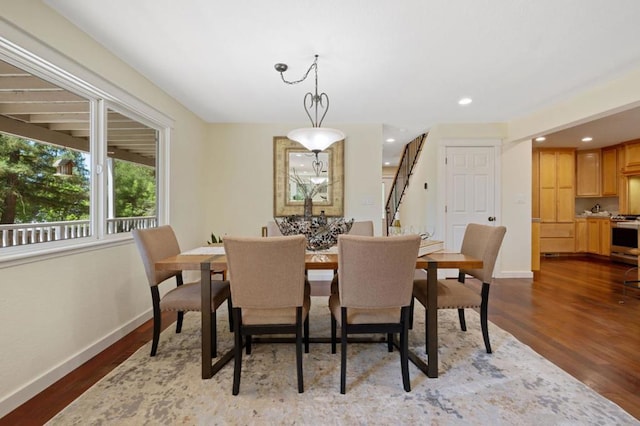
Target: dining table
206 261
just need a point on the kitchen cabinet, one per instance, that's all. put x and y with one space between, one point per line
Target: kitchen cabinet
605 237
588 176
599 236
581 235
557 237
593 235
631 157
609 162
556 192
557 185
597 173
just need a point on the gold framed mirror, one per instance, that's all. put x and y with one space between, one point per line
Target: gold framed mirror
292 165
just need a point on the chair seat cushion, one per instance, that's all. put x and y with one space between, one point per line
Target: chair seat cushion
257 316
361 315
452 294
187 297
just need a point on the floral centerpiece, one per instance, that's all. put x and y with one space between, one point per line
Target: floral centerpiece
309 189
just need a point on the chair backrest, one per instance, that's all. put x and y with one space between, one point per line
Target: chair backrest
266 272
273 230
155 244
483 242
376 272
364 228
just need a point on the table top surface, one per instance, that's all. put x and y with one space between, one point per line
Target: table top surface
314 261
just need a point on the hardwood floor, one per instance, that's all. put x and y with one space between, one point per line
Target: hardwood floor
573 313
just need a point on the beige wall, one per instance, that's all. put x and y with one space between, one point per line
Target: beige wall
59 312
240 165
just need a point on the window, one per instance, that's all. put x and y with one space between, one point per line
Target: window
78 165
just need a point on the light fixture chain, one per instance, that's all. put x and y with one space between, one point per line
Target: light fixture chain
313 65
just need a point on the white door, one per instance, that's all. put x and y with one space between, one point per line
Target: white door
470 190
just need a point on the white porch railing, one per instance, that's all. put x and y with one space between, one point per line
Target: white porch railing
32 233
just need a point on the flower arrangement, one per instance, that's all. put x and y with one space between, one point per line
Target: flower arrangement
308 189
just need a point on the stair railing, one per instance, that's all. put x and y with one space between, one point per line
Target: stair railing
401 180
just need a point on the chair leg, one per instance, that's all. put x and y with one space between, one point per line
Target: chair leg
404 350
343 352
334 325
390 342
179 321
299 350
248 343
230 309
157 320
214 335
306 334
411 312
485 327
484 315
237 351
463 323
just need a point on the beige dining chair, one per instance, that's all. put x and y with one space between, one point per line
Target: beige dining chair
482 242
364 228
374 293
273 230
155 244
269 292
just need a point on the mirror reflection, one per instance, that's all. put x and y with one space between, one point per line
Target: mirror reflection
309 176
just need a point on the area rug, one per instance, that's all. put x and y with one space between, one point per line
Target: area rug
512 386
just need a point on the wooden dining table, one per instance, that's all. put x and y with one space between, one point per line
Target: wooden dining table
206 263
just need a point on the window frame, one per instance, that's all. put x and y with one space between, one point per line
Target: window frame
50 65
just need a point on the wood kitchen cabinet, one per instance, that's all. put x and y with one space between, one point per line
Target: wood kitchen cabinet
597 173
581 235
556 203
593 235
609 163
599 236
632 157
557 185
588 177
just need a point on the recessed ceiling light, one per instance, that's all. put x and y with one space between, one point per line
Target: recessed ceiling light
541 139
465 101
587 139
386 163
390 140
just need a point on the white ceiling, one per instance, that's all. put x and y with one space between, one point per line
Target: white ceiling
404 64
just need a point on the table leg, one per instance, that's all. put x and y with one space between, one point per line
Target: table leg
205 281
432 319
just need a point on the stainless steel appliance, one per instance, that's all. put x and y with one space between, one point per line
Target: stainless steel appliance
624 239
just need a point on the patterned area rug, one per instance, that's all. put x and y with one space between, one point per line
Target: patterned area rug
514 385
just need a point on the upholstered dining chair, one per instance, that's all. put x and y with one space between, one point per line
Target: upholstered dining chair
269 292
374 293
364 228
482 242
273 230
155 244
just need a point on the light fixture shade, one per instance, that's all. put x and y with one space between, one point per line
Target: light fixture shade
316 138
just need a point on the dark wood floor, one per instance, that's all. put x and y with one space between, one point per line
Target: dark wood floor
573 313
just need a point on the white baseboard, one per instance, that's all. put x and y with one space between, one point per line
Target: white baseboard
31 389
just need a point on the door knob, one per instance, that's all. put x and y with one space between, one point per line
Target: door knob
492 218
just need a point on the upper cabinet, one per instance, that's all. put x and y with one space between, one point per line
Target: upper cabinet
631 157
597 173
609 187
588 173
